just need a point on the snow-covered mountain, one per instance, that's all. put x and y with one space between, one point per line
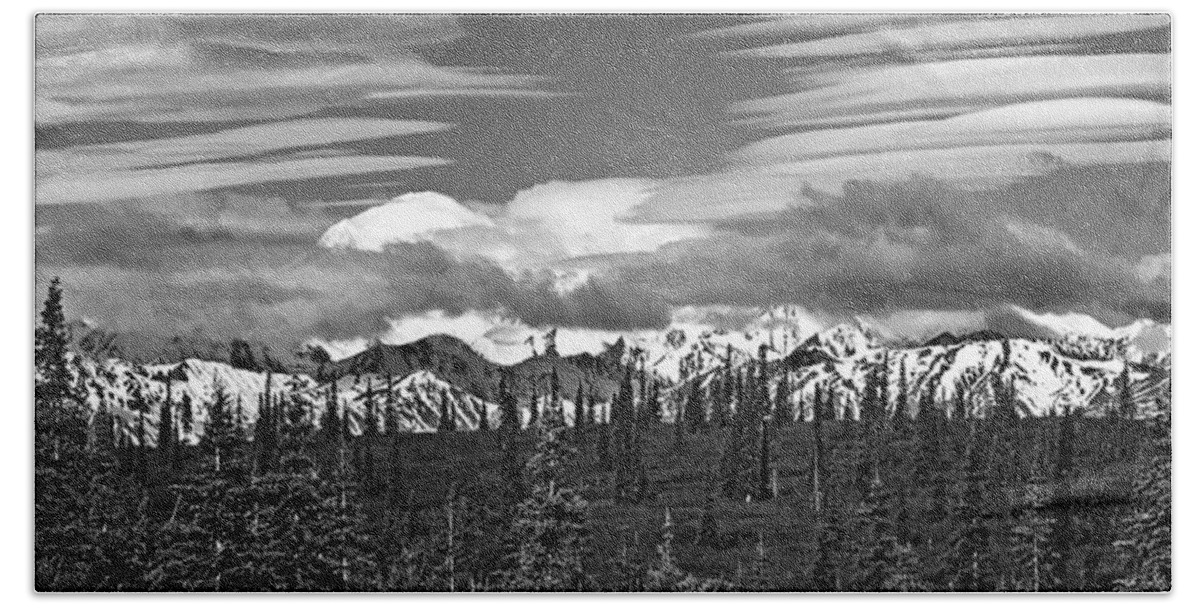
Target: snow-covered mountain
1068 370
1048 376
418 397
694 349
114 384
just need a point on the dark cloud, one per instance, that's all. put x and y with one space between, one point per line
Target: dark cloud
922 244
133 269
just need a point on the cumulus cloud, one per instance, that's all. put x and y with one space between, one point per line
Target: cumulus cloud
554 226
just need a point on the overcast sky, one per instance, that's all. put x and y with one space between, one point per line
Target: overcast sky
598 172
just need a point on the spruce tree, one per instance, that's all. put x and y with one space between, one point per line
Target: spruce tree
782 414
628 482
549 525
482 413
693 406
1064 532
871 541
166 438
665 574
447 421
53 395
1030 533
972 565
1146 540
370 428
709 534
187 415
511 463
534 410
580 415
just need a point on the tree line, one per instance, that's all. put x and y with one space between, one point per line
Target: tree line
935 501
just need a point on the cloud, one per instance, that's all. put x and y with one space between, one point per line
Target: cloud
140 268
554 226
1060 121
280 151
967 35
219 68
125 184
248 141
771 188
816 25
920 244
949 87
410 218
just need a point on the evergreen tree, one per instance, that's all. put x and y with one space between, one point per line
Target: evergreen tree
1031 539
550 525
1146 542
972 565
447 420
871 541
511 464
629 479
604 447
580 406
817 460
370 427
783 414
223 442
763 489
63 469
733 462
904 575
391 410
52 390
331 420
166 438
693 406
534 410
555 392
187 415
1064 531
651 410
709 533
482 413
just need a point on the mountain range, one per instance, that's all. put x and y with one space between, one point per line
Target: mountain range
1048 375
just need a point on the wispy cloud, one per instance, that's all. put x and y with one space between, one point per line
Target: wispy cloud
952 87
202 68
128 184
276 151
1049 122
965 35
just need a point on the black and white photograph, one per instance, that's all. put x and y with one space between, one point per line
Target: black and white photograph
809 302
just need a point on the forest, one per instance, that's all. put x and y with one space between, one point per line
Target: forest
711 491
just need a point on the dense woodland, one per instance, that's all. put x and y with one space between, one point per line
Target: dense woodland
731 497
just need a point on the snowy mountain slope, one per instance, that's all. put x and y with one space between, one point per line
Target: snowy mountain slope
1045 378
113 384
695 349
418 399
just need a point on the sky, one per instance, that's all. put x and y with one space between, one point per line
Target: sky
346 178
